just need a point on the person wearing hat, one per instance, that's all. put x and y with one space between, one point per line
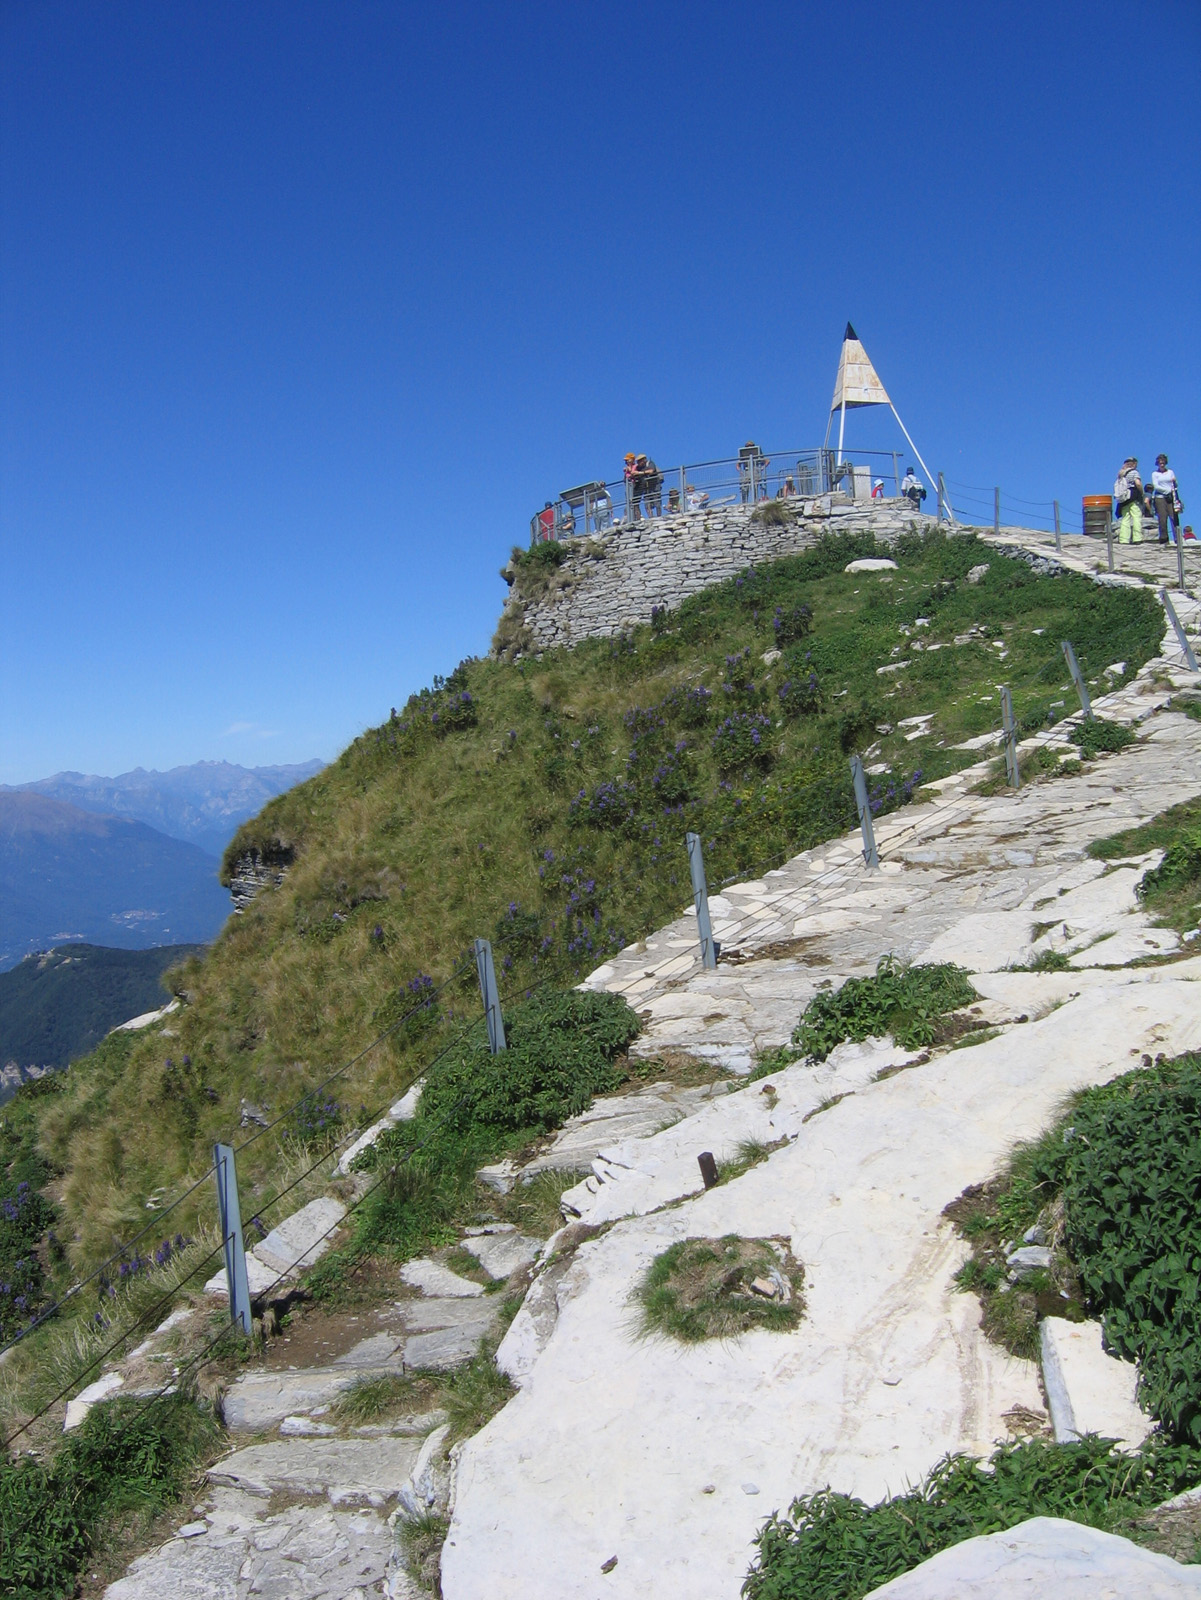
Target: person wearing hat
1166 500
633 487
546 522
1128 492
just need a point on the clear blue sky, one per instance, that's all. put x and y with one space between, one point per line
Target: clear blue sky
307 306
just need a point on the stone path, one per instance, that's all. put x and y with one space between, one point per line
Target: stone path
668 1458
346 1485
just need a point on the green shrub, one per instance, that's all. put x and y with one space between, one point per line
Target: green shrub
834 1547
743 741
560 1054
1096 736
1179 869
901 1000
1133 1199
129 1457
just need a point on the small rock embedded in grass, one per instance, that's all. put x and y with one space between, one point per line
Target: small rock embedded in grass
718 1288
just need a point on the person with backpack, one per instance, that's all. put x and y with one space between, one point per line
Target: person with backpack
1166 499
1128 493
633 487
913 489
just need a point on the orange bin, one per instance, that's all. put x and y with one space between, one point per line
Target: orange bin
1098 514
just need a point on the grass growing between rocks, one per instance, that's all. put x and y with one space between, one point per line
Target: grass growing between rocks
1172 890
908 1002
834 1547
718 1288
1114 1186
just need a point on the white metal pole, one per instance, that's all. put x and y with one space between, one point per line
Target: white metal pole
842 420
917 453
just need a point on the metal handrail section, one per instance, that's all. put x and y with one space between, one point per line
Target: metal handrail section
592 510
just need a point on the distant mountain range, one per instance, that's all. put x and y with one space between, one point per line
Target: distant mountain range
202 804
58 1005
68 875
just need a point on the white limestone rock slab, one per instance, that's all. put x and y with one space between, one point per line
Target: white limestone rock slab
501 1254
78 1408
261 1400
1088 1390
1134 941
443 1348
377 1350
639 1176
302 1238
259 1276
305 1428
871 564
888 1371
985 941
611 1119
432 1278
424 1315
1046 1557
347 1470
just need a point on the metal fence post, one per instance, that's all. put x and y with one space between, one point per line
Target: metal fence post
996 511
942 496
1058 546
683 488
700 894
896 474
1180 555
1011 739
870 854
1109 541
1069 654
490 996
1190 659
230 1213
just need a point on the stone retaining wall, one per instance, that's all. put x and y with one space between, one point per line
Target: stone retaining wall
609 584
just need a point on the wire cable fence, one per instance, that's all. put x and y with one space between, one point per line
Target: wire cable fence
123 1250
154 1310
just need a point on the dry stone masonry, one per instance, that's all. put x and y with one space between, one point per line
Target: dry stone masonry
608 585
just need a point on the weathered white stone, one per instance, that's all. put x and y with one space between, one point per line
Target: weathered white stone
346 1470
859 1193
305 1427
78 1408
1046 1556
502 1253
1088 1390
260 1400
260 1278
302 1238
431 1277
870 564
423 1315
444 1347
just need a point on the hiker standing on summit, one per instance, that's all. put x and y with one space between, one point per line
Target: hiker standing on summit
1166 499
1128 492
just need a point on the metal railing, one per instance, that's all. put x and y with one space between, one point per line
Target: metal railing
594 509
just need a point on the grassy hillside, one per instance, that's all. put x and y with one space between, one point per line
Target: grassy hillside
61 1003
544 803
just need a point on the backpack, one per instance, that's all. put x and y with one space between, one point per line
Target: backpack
1121 489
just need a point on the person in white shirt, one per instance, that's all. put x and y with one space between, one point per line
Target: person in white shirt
1165 493
913 489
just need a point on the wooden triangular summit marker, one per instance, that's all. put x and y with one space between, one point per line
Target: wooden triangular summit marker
857 383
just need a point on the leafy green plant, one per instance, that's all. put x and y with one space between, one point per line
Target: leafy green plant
703 1289
128 1459
1179 869
905 1001
1096 736
834 1547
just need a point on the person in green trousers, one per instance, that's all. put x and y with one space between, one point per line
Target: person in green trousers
1128 492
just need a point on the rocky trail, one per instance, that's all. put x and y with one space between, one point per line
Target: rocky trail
633 1466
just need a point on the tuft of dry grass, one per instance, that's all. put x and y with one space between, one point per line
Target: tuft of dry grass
703 1289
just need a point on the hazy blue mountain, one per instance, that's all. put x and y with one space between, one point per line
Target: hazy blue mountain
70 875
203 803
59 1004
